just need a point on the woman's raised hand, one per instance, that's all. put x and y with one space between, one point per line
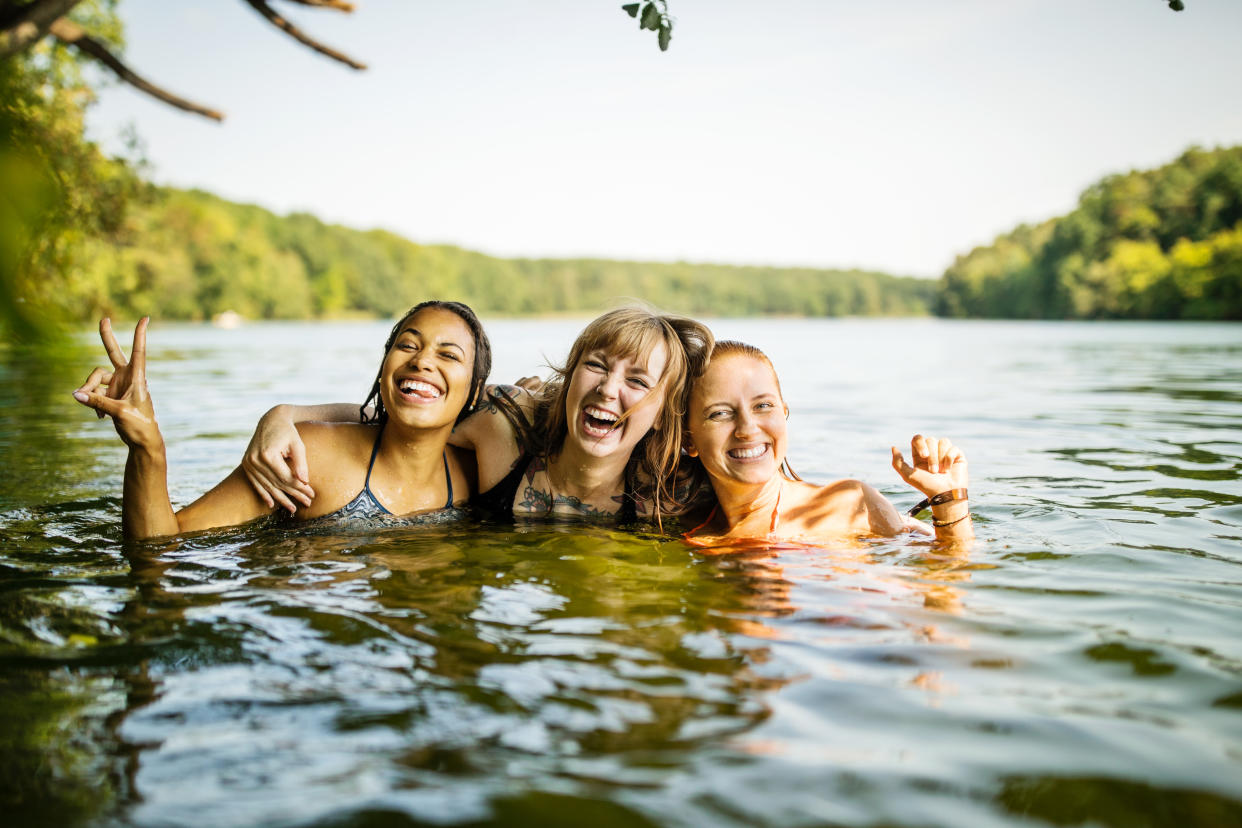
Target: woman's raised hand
275 462
124 396
938 465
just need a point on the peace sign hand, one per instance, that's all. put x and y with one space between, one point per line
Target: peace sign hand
938 465
125 397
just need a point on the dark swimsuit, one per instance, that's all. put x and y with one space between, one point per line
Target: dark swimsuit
366 510
497 502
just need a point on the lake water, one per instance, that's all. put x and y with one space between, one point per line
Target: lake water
1081 664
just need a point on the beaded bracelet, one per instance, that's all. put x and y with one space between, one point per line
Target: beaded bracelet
940 524
951 496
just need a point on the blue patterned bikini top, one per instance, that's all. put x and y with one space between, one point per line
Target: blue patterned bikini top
365 509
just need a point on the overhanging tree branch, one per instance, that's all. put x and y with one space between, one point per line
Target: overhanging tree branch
297 34
339 5
66 31
23 27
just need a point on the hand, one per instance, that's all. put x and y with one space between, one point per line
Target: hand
938 465
531 384
275 462
126 399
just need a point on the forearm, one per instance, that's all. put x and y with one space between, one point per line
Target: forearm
952 521
322 413
146 511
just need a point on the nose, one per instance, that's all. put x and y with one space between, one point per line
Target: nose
421 359
608 385
744 425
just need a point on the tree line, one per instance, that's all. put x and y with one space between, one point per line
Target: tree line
187 254
1154 244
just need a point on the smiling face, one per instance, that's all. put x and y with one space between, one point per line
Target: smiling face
736 420
612 401
426 375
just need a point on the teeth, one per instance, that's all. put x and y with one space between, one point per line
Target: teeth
749 453
601 414
424 389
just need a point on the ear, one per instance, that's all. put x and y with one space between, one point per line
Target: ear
687 445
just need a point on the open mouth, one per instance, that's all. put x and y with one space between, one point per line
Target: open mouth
418 390
749 453
597 422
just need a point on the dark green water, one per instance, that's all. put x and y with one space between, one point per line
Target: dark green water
1081 665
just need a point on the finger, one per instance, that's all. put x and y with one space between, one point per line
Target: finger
100 403
115 354
900 465
944 448
138 353
297 461
258 488
96 378
278 474
918 450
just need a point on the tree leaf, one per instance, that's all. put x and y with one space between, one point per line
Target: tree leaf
666 34
1176 5
651 17
631 9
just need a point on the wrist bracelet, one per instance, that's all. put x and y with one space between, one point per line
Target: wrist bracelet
951 496
941 524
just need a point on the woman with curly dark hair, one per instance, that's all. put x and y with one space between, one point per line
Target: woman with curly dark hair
395 467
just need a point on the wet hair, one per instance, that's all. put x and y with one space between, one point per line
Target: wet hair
632 332
731 347
478 376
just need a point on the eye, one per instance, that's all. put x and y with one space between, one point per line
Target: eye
450 355
639 382
406 346
719 415
595 365
765 407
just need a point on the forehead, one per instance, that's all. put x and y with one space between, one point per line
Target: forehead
652 358
440 325
736 375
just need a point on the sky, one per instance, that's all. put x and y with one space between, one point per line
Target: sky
890 134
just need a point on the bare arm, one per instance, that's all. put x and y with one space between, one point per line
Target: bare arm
146 510
490 434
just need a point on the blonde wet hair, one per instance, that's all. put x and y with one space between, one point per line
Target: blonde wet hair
634 332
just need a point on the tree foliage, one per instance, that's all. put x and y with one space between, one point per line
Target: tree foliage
191 255
1155 244
56 189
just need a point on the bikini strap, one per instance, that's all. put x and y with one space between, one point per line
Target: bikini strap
366 484
448 482
689 536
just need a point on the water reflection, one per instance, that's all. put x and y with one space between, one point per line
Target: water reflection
1080 665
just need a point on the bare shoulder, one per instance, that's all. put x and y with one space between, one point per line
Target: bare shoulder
491 435
336 440
337 455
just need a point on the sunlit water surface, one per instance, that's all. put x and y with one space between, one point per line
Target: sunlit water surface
1081 664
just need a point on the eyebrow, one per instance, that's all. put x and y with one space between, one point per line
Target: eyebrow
600 353
756 398
417 332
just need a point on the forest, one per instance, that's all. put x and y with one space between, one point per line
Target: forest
190 255
1155 244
